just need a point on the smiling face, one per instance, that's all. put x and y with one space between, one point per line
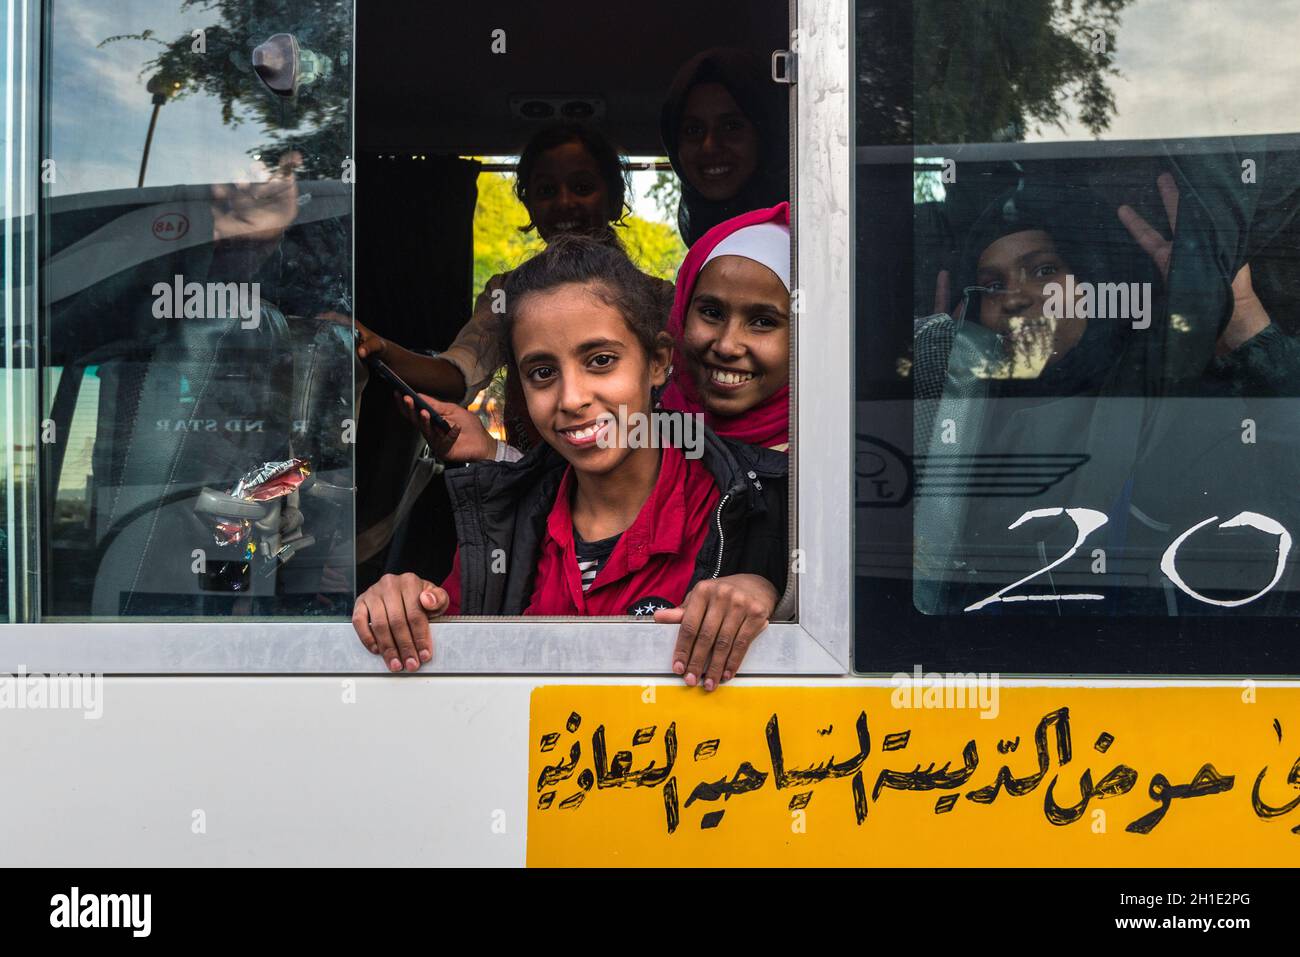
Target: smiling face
1016 270
566 192
578 362
717 145
737 334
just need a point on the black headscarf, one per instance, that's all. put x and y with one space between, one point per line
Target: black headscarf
1077 223
764 102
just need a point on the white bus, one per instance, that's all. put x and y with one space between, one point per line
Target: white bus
1107 479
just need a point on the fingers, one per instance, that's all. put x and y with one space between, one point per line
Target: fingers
419 606
1143 233
720 619
468 440
442 443
752 628
715 614
377 620
1241 283
1148 237
688 616
407 407
281 185
709 620
1152 241
448 410
723 644
1168 189
361 624
446 441
392 619
370 343
1249 317
399 624
433 600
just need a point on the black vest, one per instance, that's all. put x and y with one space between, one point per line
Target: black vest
501 509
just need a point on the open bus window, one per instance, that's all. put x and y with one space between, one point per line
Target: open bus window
1077 414
533 81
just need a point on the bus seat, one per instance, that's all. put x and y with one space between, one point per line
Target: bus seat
208 402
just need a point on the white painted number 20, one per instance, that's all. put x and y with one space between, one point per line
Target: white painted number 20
1088 520
1252 519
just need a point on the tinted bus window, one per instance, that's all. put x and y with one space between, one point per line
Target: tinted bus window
197 370
1077 383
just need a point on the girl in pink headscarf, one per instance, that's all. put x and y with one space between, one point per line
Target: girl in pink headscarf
731 323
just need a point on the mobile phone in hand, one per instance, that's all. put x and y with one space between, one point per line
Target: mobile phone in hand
381 369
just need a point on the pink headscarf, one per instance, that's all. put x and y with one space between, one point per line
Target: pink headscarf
766 424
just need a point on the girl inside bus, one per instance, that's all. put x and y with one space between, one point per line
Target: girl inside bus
1039 393
731 322
725 126
570 179
731 326
586 526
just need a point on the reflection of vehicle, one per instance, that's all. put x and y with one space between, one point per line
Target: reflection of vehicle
156 409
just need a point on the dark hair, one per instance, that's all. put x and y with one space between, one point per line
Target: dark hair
607 270
764 103
604 152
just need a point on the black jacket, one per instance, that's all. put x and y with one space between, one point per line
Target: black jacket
505 505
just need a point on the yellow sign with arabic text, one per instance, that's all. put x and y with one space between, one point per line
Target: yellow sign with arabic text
1082 777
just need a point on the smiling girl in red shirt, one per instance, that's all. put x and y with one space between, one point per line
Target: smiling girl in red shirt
579 526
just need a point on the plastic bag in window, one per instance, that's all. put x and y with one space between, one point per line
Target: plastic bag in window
270 480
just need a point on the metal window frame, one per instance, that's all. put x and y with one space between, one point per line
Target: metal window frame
817 643
19 217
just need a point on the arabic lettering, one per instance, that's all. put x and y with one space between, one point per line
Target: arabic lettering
645 764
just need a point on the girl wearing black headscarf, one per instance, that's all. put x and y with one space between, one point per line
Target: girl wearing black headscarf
726 129
1025 242
1048 417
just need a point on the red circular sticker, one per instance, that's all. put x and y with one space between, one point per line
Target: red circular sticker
170 226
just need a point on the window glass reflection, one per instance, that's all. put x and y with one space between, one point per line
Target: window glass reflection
196 310
1089 411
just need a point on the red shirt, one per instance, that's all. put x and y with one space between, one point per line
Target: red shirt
653 559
